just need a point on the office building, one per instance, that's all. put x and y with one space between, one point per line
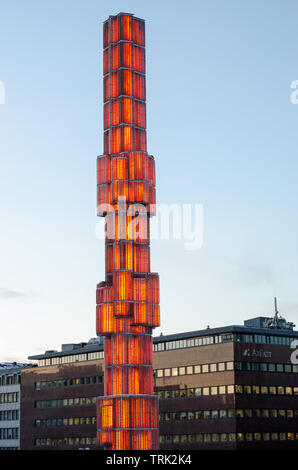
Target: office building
233 387
10 374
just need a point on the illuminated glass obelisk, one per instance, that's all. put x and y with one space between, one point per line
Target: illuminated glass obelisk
128 300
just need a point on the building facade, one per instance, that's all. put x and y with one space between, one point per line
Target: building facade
234 387
10 374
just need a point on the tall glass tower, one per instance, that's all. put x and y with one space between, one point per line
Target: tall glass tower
128 300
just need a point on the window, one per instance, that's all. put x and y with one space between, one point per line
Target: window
167 372
221 366
197 369
213 390
205 368
181 370
175 371
279 367
213 367
189 370
264 390
229 366
271 367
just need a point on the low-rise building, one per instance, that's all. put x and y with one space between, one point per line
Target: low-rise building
10 374
234 387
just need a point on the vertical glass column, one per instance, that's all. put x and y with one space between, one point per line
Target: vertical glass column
128 300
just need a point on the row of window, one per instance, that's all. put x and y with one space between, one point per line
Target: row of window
53 361
9 433
9 448
65 421
227 437
227 389
10 397
228 413
195 369
265 367
12 379
64 441
9 415
225 366
65 402
217 339
69 382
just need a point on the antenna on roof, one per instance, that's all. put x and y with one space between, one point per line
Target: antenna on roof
275 308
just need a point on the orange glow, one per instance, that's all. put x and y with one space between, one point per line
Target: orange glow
116 140
127 82
127 302
127 110
106 61
115 59
107 416
114 30
139 59
125 27
139 114
114 84
127 138
126 55
115 112
139 86
138 32
107 88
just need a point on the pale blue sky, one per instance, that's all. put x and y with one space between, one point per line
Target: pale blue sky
220 125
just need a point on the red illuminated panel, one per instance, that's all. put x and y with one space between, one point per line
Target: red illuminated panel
114 30
120 168
139 86
106 90
126 54
127 110
115 84
126 27
106 59
139 32
115 57
139 114
126 82
139 59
